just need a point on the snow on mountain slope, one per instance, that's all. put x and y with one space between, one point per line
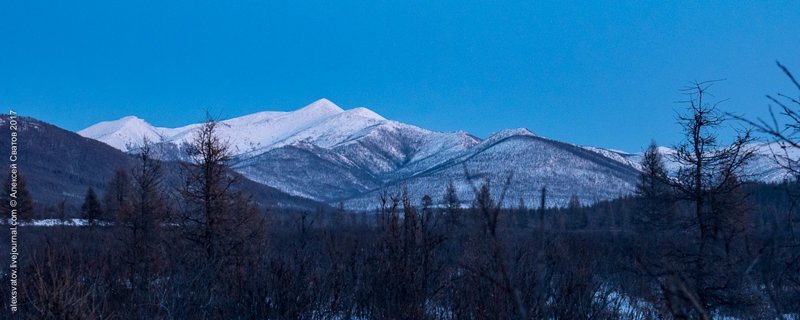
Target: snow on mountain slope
371 151
309 171
764 166
343 141
259 132
771 162
125 133
244 134
620 156
533 162
336 129
324 152
322 123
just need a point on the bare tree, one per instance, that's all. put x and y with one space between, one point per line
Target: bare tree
706 166
782 128
140 209
488 255
707 170
222 225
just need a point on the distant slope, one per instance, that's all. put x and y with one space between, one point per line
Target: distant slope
532 161
763 167
319 151
330 154
60 165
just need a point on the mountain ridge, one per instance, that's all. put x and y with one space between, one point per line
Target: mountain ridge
60 165
330 154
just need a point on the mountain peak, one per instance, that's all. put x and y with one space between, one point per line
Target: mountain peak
106 127
130 118
322 106
123 132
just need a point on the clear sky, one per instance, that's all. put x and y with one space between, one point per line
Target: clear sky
592 74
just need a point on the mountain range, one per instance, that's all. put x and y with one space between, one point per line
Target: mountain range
59 166
328 154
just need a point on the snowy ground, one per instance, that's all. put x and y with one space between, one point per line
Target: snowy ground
75 222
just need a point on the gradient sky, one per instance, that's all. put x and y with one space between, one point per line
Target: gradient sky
592 74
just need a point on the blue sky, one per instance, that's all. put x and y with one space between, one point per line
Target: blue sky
588 73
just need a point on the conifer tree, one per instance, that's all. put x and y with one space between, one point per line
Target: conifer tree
452 205
522 214
118 197
140 208
91 210
22 197
577 215
542 206
655 196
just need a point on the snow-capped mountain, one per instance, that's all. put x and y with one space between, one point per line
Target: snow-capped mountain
327 153
274 128
531 161
767 165
59 166
124 134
